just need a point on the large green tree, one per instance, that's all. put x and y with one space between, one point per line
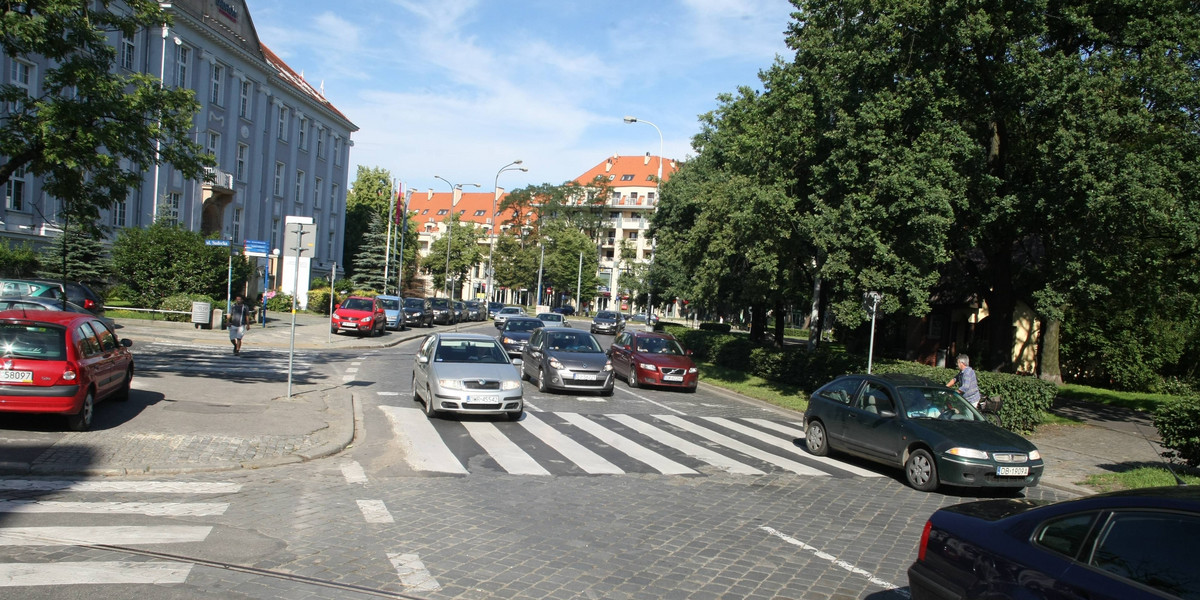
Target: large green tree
369 196
90 130
165 259
75 255
464 253
375 260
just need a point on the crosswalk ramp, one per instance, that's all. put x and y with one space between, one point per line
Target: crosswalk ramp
260 363
27 504
564 443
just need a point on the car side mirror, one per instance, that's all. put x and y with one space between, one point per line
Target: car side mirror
887 413
127 342
422 359
687 352
517 362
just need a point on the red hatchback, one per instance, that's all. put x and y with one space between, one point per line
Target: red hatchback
359 314
650 358
61 363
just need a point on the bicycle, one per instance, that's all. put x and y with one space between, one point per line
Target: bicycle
990 406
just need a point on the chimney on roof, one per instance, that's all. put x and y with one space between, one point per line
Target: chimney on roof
429 195
646 160
608 166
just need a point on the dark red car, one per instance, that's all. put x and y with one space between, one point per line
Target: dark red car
61 363
653 358
359 314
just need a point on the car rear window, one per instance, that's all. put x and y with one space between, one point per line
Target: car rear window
40 342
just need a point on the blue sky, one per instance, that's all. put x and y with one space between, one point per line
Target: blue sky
460 88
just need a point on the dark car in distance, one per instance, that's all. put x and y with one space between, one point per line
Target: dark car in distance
418 312
443 311
1128 545
475 310
75 292
516 333
565 310
921 426
607 321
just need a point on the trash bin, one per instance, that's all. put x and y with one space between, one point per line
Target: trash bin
202 314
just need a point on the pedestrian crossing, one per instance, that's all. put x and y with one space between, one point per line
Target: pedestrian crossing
566 443
26 503
259 363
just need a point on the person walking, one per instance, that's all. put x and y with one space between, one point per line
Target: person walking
239 317
965 381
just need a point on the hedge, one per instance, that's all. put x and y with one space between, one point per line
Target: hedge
1178 423
183 302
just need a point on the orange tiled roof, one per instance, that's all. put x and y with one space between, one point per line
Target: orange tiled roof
295 80
426 204
643 170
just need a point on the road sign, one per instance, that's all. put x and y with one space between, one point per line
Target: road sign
257 248
216 242
300 239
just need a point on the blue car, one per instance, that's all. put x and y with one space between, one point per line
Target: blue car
391 308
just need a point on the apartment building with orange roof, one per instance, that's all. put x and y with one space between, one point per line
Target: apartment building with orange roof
429 210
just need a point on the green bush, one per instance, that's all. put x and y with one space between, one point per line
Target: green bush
1025 398
280 303
1178 423
795 365
318 300
717 327
183 302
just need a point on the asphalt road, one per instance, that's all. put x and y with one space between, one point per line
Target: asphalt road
644 494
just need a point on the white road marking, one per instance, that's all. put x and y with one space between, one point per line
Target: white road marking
635 451
791 447
641 397
695 451
780 427
92 485
374 511
728 442
587 460
355 364
387 393
510 456
87 536
353 472
423 447
352 370
347 378
413 574
157 509
837 561
75 573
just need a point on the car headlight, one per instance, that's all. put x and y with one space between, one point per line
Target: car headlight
450 384
647 367
693 370
968 453
556 364
367 319
608 365
508 340
512 384
1035 455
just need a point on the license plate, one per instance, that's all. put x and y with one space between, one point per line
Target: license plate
482 399
349 325
585 377
672 377
17 376
1019 471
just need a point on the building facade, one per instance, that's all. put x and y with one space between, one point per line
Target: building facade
282 149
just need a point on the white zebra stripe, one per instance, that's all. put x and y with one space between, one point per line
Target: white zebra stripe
748 450
154 509
89 536
78 573
93 485
630 448
695 451
585 459
790 447
423 447
510 456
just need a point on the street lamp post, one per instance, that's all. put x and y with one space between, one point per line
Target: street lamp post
492 232
450 229
871 302
657 197
162 74
541 262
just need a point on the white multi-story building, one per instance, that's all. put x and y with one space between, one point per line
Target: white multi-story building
282 149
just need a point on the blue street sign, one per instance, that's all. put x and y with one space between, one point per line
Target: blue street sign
216 242
257 248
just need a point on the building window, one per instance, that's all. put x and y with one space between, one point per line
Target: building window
650 197
247 93
283 123
14 191
633 235
214 146
329 242
237 225
616 196
218 74
337 151
302 135
627 178
320 143
318 188
481 213
20 76
128 54
275 234
171 207
334 201
278 179
183 56
242 151
299 187
119 213
443 211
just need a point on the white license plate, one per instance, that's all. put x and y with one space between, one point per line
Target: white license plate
1018 471
349 326
672 377
585 377
482 399
18 376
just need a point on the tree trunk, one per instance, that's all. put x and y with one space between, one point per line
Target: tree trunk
814 316
997 355
779 322
1048 365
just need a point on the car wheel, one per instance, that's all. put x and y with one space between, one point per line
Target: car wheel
430 411
542 387
333 330
516 416
123 394
416 396
631 379
815 439
82 420
921 471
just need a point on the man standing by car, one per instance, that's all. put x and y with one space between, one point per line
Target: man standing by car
239 316
965 381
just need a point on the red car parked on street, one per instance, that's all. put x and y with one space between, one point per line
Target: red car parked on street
653 358
61 363
359 314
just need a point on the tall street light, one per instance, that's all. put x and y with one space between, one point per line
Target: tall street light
162 75
492 232
450 229
657 197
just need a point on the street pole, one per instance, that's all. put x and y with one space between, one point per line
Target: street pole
295 292
387 249
400 268
873 298
578 285
229 281
541 261
657 198
492 233
332 296
454 187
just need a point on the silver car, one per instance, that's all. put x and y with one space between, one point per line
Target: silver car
563 358
467 373
552 319
504 313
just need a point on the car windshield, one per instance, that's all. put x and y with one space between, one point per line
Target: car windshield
357 304
655 345
440 303
510 311
470 351
390 303
414 303
550 317
606 315
522 324
937 403
572 342
32 341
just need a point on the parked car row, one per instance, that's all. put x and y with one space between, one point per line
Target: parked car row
72 291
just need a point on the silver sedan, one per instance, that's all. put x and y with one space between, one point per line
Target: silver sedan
567 359
467 373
